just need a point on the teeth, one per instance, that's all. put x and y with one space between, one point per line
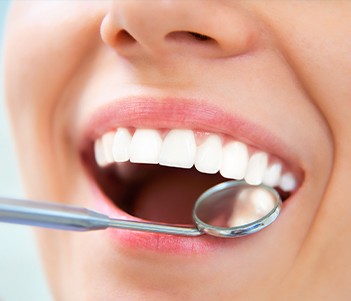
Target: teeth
256 168
121 145
288 182
178 149
209 155
99 153
234 161
145 146
107 142
272 175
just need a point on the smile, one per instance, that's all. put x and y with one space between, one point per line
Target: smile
152 168
185 148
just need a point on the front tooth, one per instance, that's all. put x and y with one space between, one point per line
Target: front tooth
107 142
178 149
272 175
99 153
256 168
234 160
121 145
145 146
209 155
288 182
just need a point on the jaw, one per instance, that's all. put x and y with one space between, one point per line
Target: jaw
124 256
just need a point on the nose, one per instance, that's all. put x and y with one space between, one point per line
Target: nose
161 28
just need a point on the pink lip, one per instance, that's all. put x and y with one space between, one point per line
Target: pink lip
152 241
182 113
172 113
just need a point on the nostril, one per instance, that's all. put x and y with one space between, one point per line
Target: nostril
123 37
199 36
190 36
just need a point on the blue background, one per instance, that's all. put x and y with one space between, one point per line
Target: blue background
21 276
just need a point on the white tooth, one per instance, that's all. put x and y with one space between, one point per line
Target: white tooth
272 175
178 149
145 146
256 168
99 153
209 155
121 145
107 142
234 160
288 182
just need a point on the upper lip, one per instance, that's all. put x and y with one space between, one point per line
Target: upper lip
168 113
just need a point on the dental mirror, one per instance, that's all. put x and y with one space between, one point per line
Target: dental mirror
234 208
229 209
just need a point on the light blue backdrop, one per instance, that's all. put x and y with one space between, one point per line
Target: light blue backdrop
21 277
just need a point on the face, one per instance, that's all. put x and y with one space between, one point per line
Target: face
100 92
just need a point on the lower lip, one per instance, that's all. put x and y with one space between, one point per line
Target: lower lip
160 243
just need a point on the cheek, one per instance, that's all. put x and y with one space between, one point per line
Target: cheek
46 43
317 45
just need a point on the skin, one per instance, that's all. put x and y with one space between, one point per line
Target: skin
285 65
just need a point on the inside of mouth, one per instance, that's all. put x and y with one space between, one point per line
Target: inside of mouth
156 193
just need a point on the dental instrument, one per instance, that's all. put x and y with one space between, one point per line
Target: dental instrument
229 209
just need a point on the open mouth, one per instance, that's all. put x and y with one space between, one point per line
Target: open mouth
157 174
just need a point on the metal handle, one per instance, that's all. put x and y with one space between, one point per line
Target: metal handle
51 215
65 217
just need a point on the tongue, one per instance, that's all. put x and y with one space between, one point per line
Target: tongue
170 198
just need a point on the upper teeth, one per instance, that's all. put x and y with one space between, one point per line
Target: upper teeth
179 148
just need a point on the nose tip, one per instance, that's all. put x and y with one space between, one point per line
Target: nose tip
202 28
